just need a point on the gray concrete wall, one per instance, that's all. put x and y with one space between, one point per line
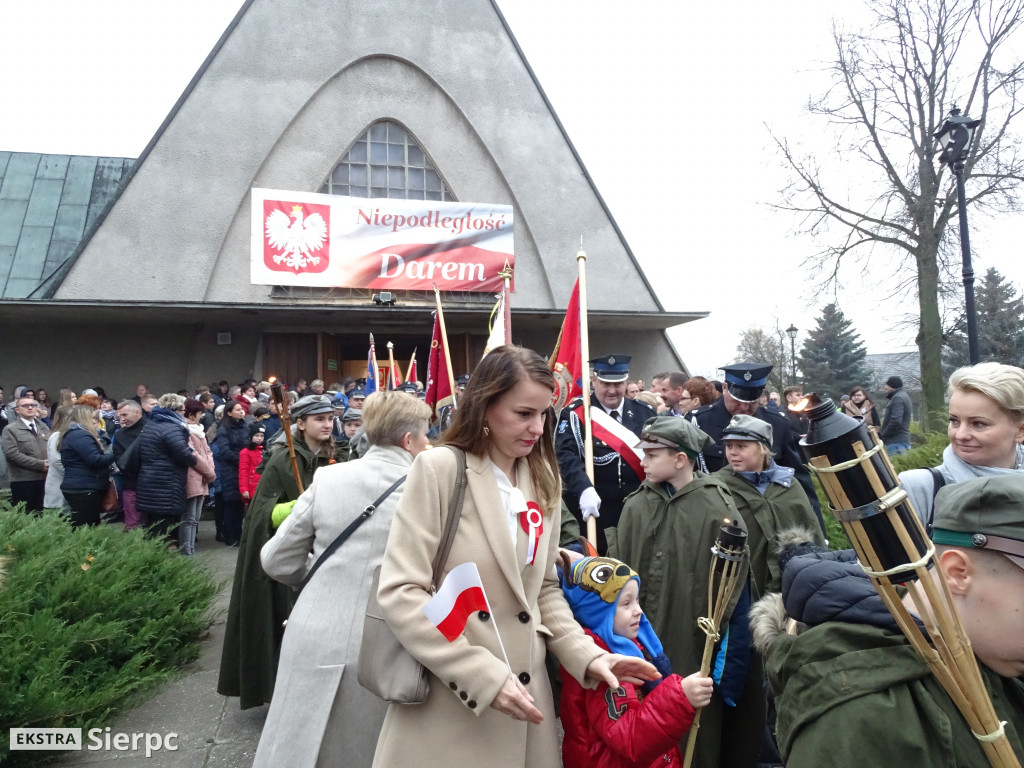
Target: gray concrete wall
291 88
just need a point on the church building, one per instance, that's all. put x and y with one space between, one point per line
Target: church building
115 271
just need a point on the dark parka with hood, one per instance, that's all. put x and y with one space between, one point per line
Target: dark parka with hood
164 458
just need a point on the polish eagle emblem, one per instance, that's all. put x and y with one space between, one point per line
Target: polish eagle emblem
296 238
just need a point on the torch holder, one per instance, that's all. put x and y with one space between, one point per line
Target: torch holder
894 550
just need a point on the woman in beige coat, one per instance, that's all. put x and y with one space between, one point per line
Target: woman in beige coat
479 712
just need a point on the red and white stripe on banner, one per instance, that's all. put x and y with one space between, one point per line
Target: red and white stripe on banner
619 438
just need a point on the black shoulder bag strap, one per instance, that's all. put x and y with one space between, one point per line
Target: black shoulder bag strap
362 518
938 480
454 513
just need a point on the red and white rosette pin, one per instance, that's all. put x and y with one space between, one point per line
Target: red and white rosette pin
532 521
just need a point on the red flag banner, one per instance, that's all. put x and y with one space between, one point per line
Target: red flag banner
309 239
439 389
565 362
460 596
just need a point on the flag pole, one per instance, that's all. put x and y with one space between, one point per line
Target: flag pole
412 363
391 363
496 633
506 276
588 442
444 343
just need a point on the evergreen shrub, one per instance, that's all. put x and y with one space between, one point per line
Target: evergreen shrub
89 618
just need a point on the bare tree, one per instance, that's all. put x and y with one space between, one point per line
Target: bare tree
893 86
758 345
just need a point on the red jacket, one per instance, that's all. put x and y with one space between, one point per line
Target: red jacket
248 477
617 729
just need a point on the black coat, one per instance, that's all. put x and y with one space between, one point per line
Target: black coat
123 439
714 418
232 437
86 465
164 458
614 479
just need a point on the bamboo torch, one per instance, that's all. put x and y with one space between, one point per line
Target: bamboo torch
588 443
277 392
893 548
729 551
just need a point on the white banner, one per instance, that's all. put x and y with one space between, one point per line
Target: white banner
304 238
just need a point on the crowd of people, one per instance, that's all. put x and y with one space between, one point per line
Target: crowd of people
623 613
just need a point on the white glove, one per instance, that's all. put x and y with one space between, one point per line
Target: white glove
590 503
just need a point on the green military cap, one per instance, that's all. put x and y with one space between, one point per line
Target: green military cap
310 405
674 433
985 513
748 428
352 414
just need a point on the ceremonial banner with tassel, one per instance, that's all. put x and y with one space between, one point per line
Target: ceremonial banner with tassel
501 315
439 390
566 362
372 371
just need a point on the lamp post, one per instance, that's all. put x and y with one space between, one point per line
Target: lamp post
955 139
791 332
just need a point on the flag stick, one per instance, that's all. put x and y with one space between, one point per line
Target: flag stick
376 368
391 362
277 392
506 276
412 363
494 621
444 343
588 442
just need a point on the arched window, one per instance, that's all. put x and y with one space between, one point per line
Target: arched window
386 162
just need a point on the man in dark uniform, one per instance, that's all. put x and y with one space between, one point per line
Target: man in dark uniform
617 471
744 383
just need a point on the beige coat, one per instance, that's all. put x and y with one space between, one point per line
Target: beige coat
456 726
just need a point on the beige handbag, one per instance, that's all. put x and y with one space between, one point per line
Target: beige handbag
385 668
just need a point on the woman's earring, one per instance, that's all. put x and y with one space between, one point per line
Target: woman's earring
487 431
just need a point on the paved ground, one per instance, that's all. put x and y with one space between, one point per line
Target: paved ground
212 730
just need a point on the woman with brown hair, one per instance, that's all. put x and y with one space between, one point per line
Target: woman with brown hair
860 407
478 704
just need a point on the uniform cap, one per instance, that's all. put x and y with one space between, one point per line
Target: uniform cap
746 380
676 434
407 387
352 414
984 513
612 368
356 393
748 428
340 401
311 405
463 380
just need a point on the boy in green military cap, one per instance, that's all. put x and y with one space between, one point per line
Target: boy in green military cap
666 532
851 691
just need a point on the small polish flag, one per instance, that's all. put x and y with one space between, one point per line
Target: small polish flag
461 594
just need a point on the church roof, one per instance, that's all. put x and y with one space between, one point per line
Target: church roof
47 205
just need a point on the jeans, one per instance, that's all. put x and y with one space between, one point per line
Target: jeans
895 449
190 525
132 517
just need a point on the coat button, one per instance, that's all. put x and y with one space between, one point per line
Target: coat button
464 695
524 678
453 686
483 615
471 704
524 617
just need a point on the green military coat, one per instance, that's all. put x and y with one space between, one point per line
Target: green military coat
850 695
667 541
781 508
259 605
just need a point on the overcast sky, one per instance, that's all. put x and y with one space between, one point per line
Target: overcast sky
667 105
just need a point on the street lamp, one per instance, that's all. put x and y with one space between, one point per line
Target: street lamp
955 139
791 332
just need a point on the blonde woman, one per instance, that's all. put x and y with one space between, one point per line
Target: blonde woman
985 430
86 466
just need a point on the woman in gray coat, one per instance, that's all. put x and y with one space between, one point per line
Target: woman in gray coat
319 714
